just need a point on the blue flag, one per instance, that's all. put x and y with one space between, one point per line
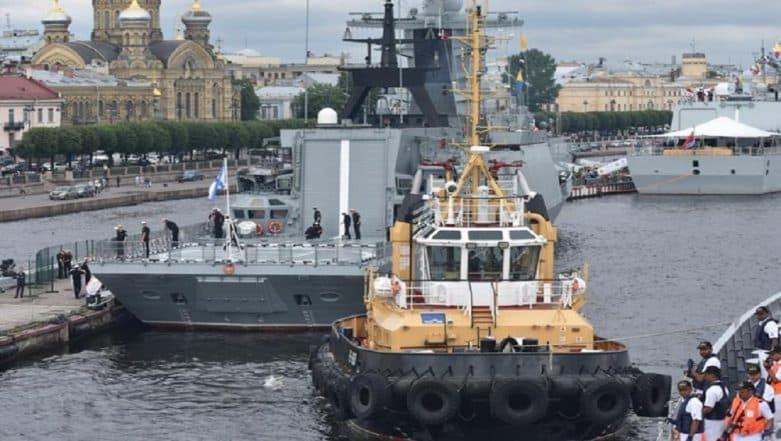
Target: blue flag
218 184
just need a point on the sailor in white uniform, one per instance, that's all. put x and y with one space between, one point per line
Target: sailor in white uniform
688 420
715 405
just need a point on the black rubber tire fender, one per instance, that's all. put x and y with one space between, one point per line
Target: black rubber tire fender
604 401
651 395
432 401
518 401
368 395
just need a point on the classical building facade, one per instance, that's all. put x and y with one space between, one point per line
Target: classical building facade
600 90
24 104
185 79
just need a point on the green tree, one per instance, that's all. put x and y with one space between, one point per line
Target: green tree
126 139
321 95
250 103
538 73
68 143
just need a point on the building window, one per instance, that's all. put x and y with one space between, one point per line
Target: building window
10 116
187 104
143 109
197 105
214 108
40 116
179 105
51 116
275 112
100 107
106 23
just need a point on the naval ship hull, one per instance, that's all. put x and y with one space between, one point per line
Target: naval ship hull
696 174
255 297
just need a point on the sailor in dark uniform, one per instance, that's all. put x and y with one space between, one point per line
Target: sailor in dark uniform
145 237
346 221
20 284
765 335
356 223
688 420
120 237
313 232
174 229
318 216
762 390
61 264
87 272
75 274
697 373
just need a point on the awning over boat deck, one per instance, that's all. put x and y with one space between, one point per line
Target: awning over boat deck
721 127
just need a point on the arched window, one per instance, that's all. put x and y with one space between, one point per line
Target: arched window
179 105
129 110
100 107
197 105
106 23
143 109
187 105
214 109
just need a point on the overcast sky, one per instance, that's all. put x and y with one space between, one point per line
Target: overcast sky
728 31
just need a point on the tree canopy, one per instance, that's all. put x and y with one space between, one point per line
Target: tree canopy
250 103
538 74
320 95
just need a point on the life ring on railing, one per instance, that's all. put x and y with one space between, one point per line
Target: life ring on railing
395 285
229 269
258 229
518 401
275 227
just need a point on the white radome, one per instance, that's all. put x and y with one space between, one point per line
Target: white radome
327 116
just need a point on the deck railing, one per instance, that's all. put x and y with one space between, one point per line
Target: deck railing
658 150
468 295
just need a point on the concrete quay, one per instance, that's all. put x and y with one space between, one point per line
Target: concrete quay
35 206
43 320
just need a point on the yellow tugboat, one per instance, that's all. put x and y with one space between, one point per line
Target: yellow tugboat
471 333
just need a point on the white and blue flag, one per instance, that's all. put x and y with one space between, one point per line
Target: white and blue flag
218 184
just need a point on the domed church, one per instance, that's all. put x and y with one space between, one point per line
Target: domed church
186 76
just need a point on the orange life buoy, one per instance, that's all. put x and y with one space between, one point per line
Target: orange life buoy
275 227
395 286
258 229
229 268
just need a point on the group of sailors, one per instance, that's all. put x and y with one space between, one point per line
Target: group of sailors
349 220
121 235
705 411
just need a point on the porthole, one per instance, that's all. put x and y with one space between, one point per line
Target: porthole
150 295
696 172
732 171
330 296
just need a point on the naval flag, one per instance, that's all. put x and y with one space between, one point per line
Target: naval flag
690 141
218 184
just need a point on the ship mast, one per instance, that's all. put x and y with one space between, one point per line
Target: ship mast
477 43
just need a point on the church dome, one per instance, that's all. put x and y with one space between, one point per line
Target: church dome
134 12
56 15
196 14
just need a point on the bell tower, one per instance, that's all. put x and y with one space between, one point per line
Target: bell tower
106 24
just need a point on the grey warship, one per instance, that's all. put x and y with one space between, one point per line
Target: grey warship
369 161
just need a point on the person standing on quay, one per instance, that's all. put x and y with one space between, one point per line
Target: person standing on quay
356 223
20 284
67 258
318 216
87 272
61 264
174 229
145 238
76 273
346 220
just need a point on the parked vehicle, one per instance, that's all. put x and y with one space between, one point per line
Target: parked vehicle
191 175
64 193
85 190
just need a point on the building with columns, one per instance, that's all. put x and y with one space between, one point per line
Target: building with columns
186 78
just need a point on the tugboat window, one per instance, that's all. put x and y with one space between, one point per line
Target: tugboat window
485 235
485 263
256 214
444 263
523 262
239 214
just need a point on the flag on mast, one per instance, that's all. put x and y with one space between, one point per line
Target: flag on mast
690 141
218 184
524 41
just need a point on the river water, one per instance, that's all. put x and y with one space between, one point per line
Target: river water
658 264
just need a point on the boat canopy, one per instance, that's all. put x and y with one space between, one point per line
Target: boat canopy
721 127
